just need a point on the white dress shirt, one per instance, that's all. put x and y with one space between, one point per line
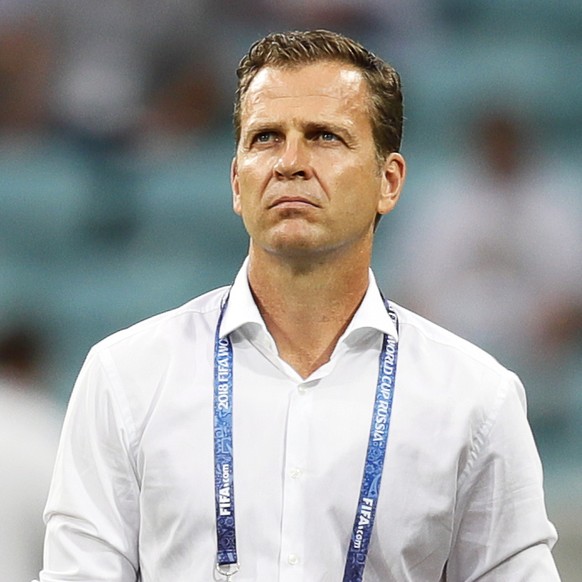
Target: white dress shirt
133 490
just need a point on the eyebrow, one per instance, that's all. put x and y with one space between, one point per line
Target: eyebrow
332 127
307 127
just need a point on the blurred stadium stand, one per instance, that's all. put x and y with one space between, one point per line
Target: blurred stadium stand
99 231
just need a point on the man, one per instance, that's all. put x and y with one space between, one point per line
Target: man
295 377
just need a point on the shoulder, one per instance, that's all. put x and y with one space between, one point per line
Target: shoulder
416 328
460 395
195 320
139 359
133 369
451 368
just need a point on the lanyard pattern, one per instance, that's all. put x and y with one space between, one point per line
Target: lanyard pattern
227 558
377 443
223 452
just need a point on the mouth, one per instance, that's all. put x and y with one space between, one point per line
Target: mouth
292 202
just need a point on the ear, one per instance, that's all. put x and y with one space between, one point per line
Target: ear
393 176
234 184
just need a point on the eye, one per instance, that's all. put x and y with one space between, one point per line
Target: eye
328 136
264 137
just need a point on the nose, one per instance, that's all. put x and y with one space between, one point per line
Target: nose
294 161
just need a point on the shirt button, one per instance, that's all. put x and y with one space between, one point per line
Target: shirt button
295 473
302 389
293 559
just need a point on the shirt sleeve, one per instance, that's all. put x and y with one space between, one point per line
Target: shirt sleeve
501 528
92 513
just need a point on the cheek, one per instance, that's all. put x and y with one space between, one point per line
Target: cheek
244 189
360 192
247 196
348 183
252 178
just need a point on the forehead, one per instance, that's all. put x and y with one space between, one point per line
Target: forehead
323 88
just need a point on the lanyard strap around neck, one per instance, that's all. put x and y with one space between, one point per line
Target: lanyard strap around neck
227 557
374 466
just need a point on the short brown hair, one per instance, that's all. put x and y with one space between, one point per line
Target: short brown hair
292 49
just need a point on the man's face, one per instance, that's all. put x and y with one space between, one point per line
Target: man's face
306 177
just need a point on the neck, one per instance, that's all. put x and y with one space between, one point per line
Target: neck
306 307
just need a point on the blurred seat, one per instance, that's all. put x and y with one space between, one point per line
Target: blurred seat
43 198
186 215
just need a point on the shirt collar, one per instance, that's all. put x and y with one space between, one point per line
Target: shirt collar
372 313
242 309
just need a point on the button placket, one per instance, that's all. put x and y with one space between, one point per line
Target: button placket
296 457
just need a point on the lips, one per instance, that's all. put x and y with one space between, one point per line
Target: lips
292 202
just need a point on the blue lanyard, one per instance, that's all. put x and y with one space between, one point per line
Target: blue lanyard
227 558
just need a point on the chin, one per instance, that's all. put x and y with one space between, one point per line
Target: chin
294 238
293 249
299 250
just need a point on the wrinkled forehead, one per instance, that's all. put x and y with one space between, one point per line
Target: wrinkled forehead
327 84
295 70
